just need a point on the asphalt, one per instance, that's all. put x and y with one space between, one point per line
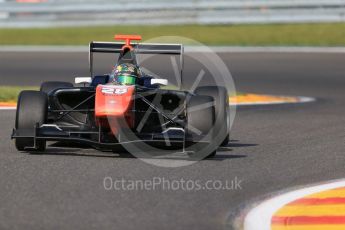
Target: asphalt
273 148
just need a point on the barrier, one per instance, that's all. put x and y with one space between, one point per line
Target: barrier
46 13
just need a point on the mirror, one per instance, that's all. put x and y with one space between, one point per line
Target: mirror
82 80
162 82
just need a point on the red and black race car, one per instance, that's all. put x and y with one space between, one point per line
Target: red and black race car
125 109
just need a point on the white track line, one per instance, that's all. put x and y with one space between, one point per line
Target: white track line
275 49
218 49
7 108
259 218
58 49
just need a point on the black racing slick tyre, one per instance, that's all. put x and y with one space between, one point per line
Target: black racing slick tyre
32 109
201 118
222 111
49 86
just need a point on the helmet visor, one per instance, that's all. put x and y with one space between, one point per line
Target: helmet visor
126 79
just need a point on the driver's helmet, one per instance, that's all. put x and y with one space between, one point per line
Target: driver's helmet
126 74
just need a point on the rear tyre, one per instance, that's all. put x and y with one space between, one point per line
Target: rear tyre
222 110
31 109
200 119
49 86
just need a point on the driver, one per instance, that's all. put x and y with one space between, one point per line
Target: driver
125 74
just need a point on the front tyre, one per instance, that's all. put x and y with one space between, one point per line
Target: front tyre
200 121
222 111
49 86
32 109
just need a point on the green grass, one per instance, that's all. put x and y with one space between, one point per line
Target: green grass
332 34
10 93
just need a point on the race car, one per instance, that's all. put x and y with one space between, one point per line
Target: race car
124 109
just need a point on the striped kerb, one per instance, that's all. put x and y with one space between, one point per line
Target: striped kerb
320 211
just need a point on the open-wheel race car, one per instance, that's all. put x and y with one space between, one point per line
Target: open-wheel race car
124 108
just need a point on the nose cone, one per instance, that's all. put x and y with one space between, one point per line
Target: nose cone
113 100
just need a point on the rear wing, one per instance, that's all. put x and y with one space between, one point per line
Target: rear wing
146 48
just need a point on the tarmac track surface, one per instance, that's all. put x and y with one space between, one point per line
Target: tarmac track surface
273 148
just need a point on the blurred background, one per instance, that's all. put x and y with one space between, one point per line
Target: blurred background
217 22
44 13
